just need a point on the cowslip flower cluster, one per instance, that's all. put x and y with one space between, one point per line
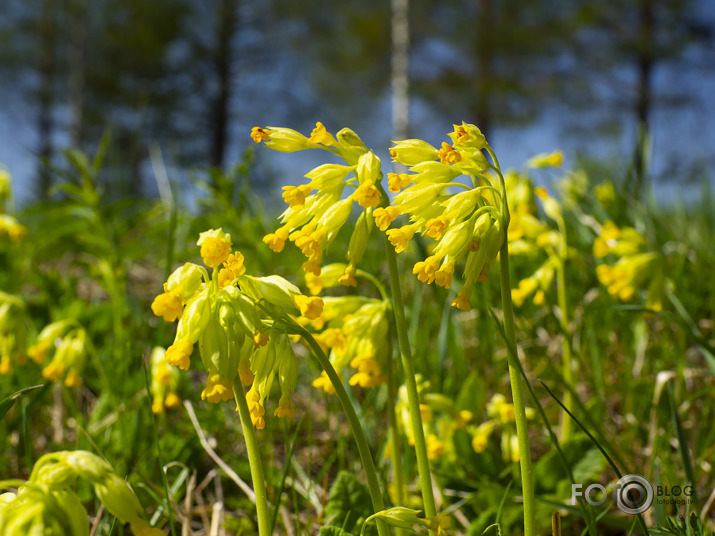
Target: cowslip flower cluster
317 210
638 265
232 316
48 504
164 382
69 342
501 417
528 235
13 332
466 226
441 418
355 331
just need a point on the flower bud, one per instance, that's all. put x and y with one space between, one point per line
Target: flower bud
328 176
185 280
411 152
368 168
287 140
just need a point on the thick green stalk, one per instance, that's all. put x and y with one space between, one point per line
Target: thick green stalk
411 384
254 460
522 431
566 423
373 483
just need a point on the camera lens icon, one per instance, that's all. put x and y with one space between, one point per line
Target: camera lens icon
633 494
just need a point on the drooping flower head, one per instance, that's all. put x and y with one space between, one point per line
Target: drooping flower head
232 316
318 209
468 225
48 503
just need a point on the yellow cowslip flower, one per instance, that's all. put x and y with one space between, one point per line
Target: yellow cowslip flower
215 247
385 216
276 241
467 225
310 307
399 237
321 135
448 154
398 181
168 306
436 227
258 134
468 136
295 196
319 209
367 195
217 389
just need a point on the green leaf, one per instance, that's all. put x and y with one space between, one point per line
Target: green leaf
349 504
7 403
492 530
333 531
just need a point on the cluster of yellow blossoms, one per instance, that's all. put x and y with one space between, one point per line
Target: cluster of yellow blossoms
528 235
354 331
637 267
468 225
13 332
235 319
316 210
441 418
70 344
48 504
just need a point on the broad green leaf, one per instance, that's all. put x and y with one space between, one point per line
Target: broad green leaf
349 504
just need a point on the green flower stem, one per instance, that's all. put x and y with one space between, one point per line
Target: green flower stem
364 449
566 423
411 383
395 435
522 431
254 459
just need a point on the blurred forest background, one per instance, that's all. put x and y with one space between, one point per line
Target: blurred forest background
623 88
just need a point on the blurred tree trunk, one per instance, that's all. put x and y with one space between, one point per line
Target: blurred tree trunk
78 14
400 69
645 63
45 68
481 108
223 60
